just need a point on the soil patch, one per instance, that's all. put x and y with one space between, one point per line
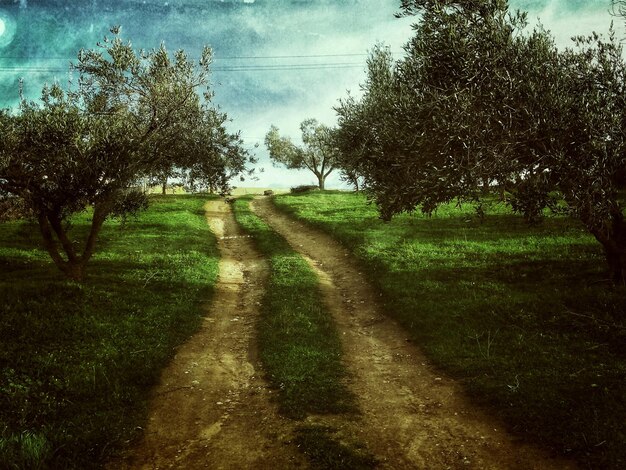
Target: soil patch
212 408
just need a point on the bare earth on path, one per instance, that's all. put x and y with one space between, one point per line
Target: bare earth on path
412 417
212 409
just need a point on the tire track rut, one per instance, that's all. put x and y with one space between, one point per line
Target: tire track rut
412 416
212 409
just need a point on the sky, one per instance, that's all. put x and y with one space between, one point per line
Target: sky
276 61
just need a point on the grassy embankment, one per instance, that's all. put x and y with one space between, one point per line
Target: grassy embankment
300 348
77 360
521 315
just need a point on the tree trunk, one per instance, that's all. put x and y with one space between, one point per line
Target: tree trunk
75 266
49 242
617 265
59 230
612 237
100 212
615 253
320 181
75 270
485 187
164 186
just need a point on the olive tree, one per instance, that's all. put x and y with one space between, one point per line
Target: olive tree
217 154
131 115
317 154
588 161
477 100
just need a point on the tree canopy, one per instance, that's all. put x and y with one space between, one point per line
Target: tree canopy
317 154
478 101
131 115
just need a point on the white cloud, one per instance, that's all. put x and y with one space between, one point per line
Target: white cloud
567 18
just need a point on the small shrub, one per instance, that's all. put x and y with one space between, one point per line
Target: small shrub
13 208
303 188
130 203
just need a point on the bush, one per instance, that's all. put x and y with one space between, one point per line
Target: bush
13 208
130 204
303 188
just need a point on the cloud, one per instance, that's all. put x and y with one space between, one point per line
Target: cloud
568 18
276 61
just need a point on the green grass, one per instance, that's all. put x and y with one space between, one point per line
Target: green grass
298 343
77 360
300 349
522 316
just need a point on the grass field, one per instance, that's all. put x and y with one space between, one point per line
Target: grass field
77 360
522 316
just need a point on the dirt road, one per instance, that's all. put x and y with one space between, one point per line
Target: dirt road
212 409
412 417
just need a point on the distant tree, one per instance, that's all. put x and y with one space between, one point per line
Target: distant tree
318 153
477 99
130 117
162 178
352 178
218 155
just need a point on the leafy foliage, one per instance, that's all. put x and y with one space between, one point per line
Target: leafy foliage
215 155
318 154
134 114
12 208
130 203
479 102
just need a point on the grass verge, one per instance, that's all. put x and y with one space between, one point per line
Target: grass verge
520 315
300 349
77 360
298 342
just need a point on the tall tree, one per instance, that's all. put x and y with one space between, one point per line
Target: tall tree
477 99
130 116
318 154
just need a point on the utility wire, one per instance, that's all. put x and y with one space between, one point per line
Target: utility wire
321 66
216 58
234 68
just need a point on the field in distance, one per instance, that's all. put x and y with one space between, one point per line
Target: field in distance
246 191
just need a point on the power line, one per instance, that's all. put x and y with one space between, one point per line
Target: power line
234 68
251 57
252 67
287 67
290 56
